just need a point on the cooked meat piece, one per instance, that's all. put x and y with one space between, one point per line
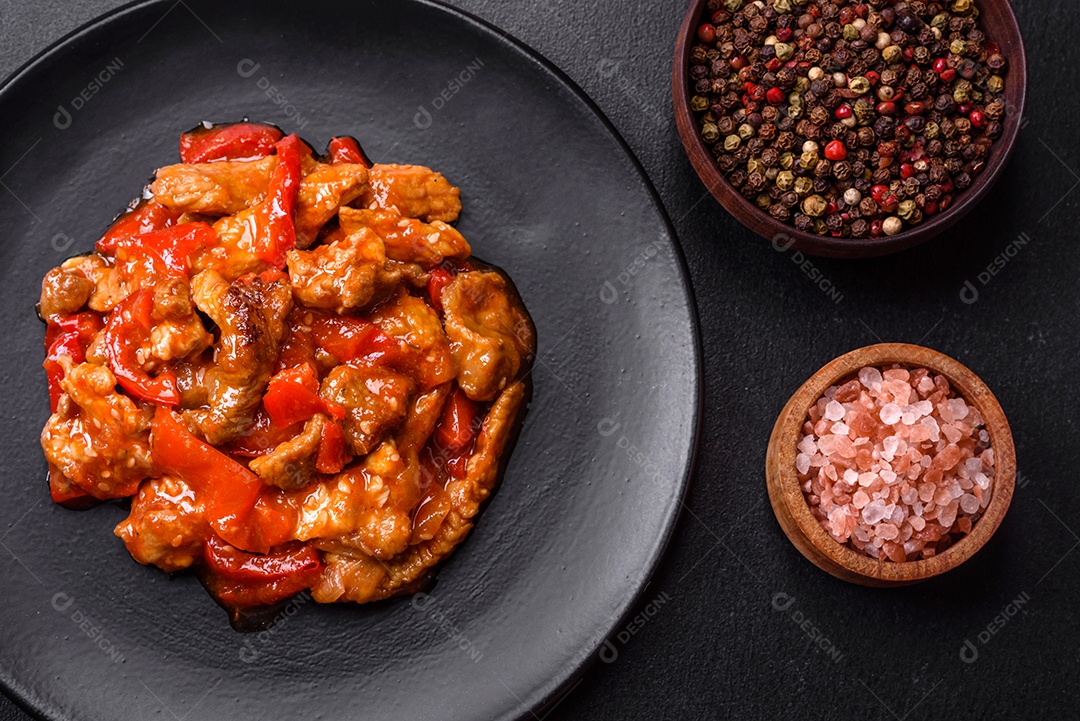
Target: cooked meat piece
234 255
291 465
180 331
491 336
322 192
109 287
98 438
63 292
224 187
350 576
413 191
407 239
376 401
191 381
166 526
424 413
365 508
348 274
251 319
425 348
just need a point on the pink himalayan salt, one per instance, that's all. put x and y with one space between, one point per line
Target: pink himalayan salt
894 464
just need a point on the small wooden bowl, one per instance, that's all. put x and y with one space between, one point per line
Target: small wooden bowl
1000 25
806 532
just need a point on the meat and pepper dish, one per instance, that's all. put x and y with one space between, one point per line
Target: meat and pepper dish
290 365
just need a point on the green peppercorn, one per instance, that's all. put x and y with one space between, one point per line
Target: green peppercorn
747 131
958 47
795 111
801 86
851 33
932 130
803 185
940 21
785 180
820 226
771 173
732 143
754 165
787 161
907 209
864 112
782 6
784 51
808 159
733 5
859 85
763 201
962 7
814 206
699 103
961 94
995 84
710 133
892 54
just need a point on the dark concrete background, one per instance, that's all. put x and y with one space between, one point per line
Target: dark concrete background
709 642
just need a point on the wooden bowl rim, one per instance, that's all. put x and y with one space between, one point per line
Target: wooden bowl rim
784 485
785 237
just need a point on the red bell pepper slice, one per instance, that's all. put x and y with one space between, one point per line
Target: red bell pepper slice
68 336
228 489
147 216
168 250
348 338
293 397
66 493
129 327
457 431
237 565
440 278
332 455
460 423
234 141
244 580
277 232
345 149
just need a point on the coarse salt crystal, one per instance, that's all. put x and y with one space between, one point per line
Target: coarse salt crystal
870 378
802 463
840 429
969 503
958 408
860 499
890 414
886 531
834 411
889 448
874 512
851 477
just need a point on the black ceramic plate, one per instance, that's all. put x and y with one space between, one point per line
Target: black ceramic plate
551 194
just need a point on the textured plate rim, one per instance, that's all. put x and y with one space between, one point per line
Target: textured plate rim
556 688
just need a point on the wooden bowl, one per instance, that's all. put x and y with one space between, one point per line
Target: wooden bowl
1000 25
806 532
